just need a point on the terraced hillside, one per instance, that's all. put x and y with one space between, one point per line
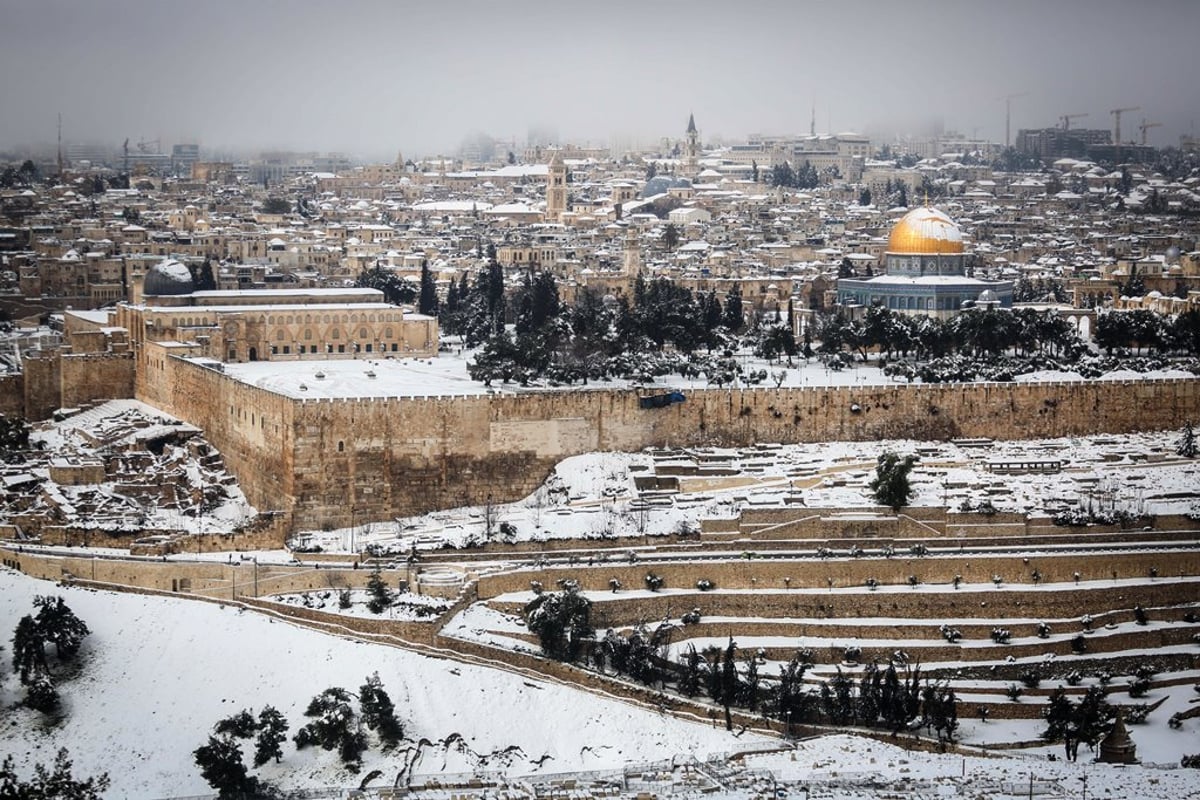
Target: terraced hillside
818 604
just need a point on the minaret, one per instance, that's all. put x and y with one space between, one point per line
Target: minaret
631 263
556 188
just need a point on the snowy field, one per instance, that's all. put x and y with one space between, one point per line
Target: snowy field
159 672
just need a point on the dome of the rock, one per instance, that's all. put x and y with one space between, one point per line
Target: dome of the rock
925 231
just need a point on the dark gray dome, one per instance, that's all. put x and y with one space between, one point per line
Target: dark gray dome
660 183
168 277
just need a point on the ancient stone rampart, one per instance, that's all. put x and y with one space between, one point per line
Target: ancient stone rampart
335 463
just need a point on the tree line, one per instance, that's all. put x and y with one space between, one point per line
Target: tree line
894 696
598 337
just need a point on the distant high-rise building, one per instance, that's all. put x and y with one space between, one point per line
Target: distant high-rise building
1051 143
182 158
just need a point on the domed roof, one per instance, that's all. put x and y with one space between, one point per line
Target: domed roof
168 277
925 231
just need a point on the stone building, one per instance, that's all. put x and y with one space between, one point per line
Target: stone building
273 324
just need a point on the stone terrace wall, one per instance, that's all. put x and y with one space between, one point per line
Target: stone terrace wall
976 570
215 579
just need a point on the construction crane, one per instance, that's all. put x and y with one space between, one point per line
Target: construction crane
1008 98
1145 126
1117 112
1066 119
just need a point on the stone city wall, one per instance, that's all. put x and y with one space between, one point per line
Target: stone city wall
252 427
412 455
12 395
87 378
42 384
339 463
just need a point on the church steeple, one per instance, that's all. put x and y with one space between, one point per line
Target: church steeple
691 153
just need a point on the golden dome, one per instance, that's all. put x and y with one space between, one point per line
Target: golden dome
925 231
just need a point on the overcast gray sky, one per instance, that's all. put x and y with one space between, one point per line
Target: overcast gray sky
371 77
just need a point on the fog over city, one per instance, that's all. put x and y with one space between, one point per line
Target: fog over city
371 77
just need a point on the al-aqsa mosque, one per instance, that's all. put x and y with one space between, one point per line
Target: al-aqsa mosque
925 272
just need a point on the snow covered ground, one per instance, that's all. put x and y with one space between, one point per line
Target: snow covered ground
160 672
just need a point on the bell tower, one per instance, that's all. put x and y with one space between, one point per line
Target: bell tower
556 188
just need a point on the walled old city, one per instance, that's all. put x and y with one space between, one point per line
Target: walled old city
794 436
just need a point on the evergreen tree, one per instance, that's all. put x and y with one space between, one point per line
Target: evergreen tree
782 175
692 675
272 732
28 649
1186 446
50 784
59 626
1135 286
713 314
495 294
561 621
221 765
448 314
240 726
670 237
727 687
734 318
537 302
202 276
380 595
379 714
40 693
395 290
427 300
334 726
891 486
